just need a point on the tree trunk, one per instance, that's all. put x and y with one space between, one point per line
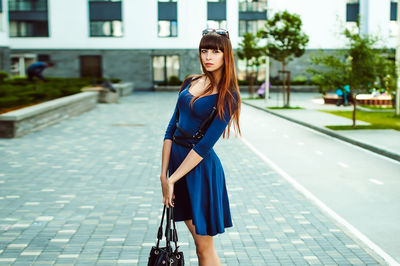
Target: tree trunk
251 87
288 90
284 82
353 98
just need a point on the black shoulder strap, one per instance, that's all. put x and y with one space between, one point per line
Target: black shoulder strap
185 84
206 123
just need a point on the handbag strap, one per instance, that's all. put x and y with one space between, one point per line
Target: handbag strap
160 230
174 232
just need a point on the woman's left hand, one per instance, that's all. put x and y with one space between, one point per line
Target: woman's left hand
170 193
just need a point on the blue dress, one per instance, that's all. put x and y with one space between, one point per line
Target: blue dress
201 194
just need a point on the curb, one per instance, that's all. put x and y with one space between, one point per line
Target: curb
380 151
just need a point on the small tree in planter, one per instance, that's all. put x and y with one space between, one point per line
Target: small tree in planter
254 56
285 40
360 67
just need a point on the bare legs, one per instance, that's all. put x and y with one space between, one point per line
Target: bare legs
204 247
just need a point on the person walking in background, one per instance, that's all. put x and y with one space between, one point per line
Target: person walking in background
196 184
36 69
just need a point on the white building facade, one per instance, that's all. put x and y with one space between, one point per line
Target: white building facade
149 41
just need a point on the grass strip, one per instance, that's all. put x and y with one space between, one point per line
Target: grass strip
378 120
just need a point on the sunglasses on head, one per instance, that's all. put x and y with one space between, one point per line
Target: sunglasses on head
218 31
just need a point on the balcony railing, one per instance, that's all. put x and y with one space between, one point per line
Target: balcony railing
252 6
27 5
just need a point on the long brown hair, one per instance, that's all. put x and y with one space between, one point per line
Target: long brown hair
228 89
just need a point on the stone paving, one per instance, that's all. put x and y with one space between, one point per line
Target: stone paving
86 191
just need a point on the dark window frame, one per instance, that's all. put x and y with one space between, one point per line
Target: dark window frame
165 67
98 18
352 12
19 35
393 11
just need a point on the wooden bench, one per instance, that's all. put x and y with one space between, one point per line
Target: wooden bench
365 99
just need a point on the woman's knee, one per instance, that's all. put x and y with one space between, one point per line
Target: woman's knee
204 245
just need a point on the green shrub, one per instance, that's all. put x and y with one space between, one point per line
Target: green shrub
3 76
174 80
115 80
19 91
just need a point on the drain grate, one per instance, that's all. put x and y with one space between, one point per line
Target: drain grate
128 125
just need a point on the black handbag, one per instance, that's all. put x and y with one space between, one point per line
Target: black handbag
166 256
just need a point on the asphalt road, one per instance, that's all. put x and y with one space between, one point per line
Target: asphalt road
359 186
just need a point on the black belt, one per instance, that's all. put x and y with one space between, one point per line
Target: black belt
177 139
199 133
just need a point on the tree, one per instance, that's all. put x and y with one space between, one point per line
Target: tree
285 40
250 51
360 66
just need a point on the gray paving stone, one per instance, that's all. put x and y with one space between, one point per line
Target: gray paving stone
88 187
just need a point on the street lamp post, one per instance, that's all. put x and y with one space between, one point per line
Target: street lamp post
266 92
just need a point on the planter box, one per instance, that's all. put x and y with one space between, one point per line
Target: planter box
274 88
166 88
124 89
23 121
378 101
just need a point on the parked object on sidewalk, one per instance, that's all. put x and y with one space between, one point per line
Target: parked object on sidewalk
161 256
261 90
36 69
107 85
105 95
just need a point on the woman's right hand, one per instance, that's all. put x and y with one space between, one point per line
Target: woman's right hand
164 187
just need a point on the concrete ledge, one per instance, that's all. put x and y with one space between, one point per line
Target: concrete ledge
274 88
331 133
124 89
23 121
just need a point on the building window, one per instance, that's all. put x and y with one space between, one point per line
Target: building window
252 26
216 24
28 18
352 13
29 29
252 6
393 10
393 27
167 19
19 63
105 18
216 14
1 16
165 67
352 10
106 28
167 28
27 5
252 16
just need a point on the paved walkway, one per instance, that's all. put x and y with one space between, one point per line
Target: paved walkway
383 141
86 191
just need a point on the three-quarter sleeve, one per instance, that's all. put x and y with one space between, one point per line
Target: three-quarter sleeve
213 133
172 125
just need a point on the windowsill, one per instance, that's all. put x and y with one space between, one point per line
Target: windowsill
106 36
29 36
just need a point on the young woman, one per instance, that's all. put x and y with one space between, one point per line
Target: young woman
196 184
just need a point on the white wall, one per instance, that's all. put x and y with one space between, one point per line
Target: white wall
323 20
69 27
379 21
4 41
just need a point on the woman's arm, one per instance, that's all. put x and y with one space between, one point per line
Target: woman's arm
166 152
196 155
